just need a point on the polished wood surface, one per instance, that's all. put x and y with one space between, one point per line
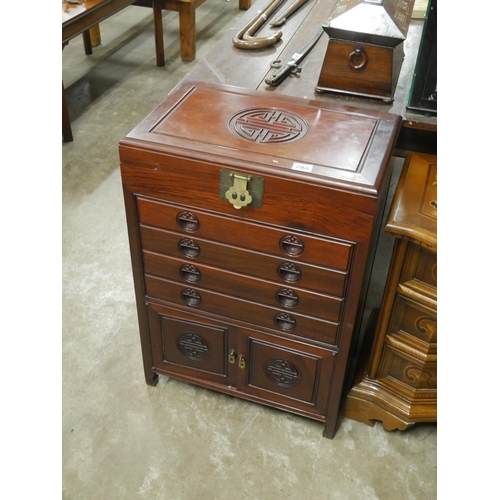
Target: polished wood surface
230 65
78 18
261 302
396 381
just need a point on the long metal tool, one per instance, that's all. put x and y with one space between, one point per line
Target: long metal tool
292 67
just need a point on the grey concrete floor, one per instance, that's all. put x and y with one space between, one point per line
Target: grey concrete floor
122 439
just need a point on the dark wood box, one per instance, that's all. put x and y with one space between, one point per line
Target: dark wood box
365 49
257 297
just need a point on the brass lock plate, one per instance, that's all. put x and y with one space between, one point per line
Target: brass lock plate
241 189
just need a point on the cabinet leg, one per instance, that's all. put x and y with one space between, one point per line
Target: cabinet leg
245 4
151 378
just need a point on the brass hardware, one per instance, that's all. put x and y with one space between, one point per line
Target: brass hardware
242 363
241 189
232 356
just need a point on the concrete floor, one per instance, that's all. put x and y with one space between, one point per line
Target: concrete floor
123 439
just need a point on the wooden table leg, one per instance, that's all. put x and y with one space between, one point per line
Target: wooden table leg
95 35
187 25
66 124
158 22
87 44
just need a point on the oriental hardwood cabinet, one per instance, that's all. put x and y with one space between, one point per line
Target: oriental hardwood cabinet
251 223
397 382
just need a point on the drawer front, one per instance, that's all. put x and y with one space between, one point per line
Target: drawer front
244 262
223 305
408 375
420 269
243 234
268 293
412 320
286 372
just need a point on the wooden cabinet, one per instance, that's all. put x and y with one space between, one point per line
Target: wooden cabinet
251 223
397 382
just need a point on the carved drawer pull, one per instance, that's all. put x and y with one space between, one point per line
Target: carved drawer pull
287 297
289 271
190 273
189 248
285 321
188 221
191 297
292 245
358 58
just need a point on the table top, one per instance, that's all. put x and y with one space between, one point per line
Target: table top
230 65
77 18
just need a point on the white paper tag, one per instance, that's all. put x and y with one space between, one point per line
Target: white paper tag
303 167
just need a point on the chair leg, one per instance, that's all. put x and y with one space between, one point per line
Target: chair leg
66 124
158 22
187 25
87 43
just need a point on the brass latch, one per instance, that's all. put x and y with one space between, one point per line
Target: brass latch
241 189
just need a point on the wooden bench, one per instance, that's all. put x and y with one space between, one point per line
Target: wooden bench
187 24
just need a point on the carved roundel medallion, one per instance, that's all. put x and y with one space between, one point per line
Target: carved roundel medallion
282 372
269 126
193 346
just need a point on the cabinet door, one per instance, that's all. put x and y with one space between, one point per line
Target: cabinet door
285 372
189 347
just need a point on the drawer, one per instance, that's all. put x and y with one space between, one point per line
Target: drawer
409 376
265 292
420 269
249 263
239 233
414 322
275 318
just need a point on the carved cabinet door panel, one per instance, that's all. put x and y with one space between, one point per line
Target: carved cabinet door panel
190 347
283 371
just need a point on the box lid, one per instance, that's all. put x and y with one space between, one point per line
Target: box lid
316 140
380 22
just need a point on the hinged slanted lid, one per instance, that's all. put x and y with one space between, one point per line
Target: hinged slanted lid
305 139
379 22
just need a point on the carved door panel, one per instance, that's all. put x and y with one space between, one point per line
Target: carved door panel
190 347
284 371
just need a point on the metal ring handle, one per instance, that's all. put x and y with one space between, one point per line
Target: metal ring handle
358 53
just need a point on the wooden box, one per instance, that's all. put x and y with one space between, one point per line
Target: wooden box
251 221
365 49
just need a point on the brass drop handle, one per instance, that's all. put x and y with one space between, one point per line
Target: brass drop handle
357 58
242 363
232 356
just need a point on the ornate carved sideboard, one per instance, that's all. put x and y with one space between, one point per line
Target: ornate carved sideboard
252 221
397 380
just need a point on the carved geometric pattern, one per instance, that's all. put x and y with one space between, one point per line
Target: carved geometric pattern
282 372
193 346
269 126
